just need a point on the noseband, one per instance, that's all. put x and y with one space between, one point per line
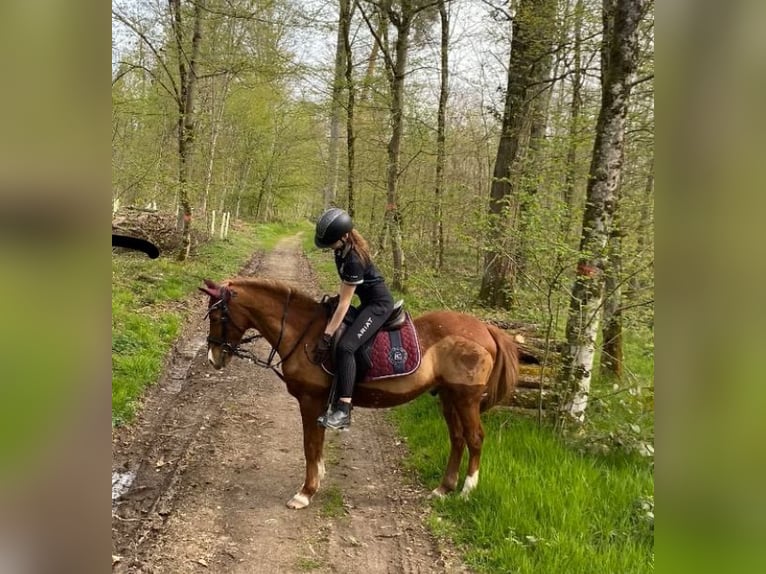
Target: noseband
235 350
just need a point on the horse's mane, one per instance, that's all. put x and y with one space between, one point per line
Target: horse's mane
297 296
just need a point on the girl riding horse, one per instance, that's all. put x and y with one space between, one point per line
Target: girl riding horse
335 230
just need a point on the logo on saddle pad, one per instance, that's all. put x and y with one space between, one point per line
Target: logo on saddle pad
397 356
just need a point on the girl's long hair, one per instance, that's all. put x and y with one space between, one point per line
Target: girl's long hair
359 244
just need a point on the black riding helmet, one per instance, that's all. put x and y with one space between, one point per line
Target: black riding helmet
331 226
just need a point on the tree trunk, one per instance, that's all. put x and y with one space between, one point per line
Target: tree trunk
438 233
216 128
345 18
611 333
529 160
619 58
331 186
646 225
529 62
397 67
186 117
369 75
574 127
393 216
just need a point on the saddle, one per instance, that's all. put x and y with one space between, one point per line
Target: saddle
394 351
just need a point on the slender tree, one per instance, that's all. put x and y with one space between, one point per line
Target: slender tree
619 57
611 333
336 103
401 17
574 124
186 117
215 129
346 12
438 234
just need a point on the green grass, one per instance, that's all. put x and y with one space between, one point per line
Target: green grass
148 305
307 564
540 506
332 502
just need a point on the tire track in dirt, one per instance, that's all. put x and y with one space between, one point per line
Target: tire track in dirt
216 463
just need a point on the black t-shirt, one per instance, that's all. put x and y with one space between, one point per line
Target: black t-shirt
370 284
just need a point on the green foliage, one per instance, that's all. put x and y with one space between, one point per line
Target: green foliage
148 306
540 506
255 139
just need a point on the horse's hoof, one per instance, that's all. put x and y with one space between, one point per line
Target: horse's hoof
439 492
298 501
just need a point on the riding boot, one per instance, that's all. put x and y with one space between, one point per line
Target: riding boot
338 419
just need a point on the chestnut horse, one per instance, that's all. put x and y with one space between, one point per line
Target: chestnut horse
470 364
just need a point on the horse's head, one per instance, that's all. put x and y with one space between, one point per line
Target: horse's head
227 324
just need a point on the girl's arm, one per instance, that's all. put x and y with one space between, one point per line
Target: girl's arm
346 294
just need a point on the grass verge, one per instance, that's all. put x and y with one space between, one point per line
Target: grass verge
540 506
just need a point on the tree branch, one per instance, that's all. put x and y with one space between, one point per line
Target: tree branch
641 80
133 67
383 48
233 14
122 19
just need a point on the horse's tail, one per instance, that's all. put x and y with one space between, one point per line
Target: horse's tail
505 371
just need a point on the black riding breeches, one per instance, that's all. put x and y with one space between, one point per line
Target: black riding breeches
367 323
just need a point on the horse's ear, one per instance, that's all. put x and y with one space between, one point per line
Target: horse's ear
214 293
211 288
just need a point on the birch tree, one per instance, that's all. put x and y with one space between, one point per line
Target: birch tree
619 58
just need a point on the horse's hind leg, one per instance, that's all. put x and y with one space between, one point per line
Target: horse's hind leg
473 433
457 446
313 444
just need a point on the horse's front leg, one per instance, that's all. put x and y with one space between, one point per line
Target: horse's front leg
313 443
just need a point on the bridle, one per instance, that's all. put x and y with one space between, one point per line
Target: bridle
246 354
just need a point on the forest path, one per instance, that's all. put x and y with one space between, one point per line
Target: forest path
216 455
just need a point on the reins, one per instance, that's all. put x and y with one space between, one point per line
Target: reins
246 353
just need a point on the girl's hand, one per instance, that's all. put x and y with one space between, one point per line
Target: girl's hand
322 350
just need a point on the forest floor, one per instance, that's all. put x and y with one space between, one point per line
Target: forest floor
215 455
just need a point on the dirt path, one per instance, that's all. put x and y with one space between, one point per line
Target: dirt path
217 454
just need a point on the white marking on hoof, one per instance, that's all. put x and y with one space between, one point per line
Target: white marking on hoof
471 481
438 492
298 501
